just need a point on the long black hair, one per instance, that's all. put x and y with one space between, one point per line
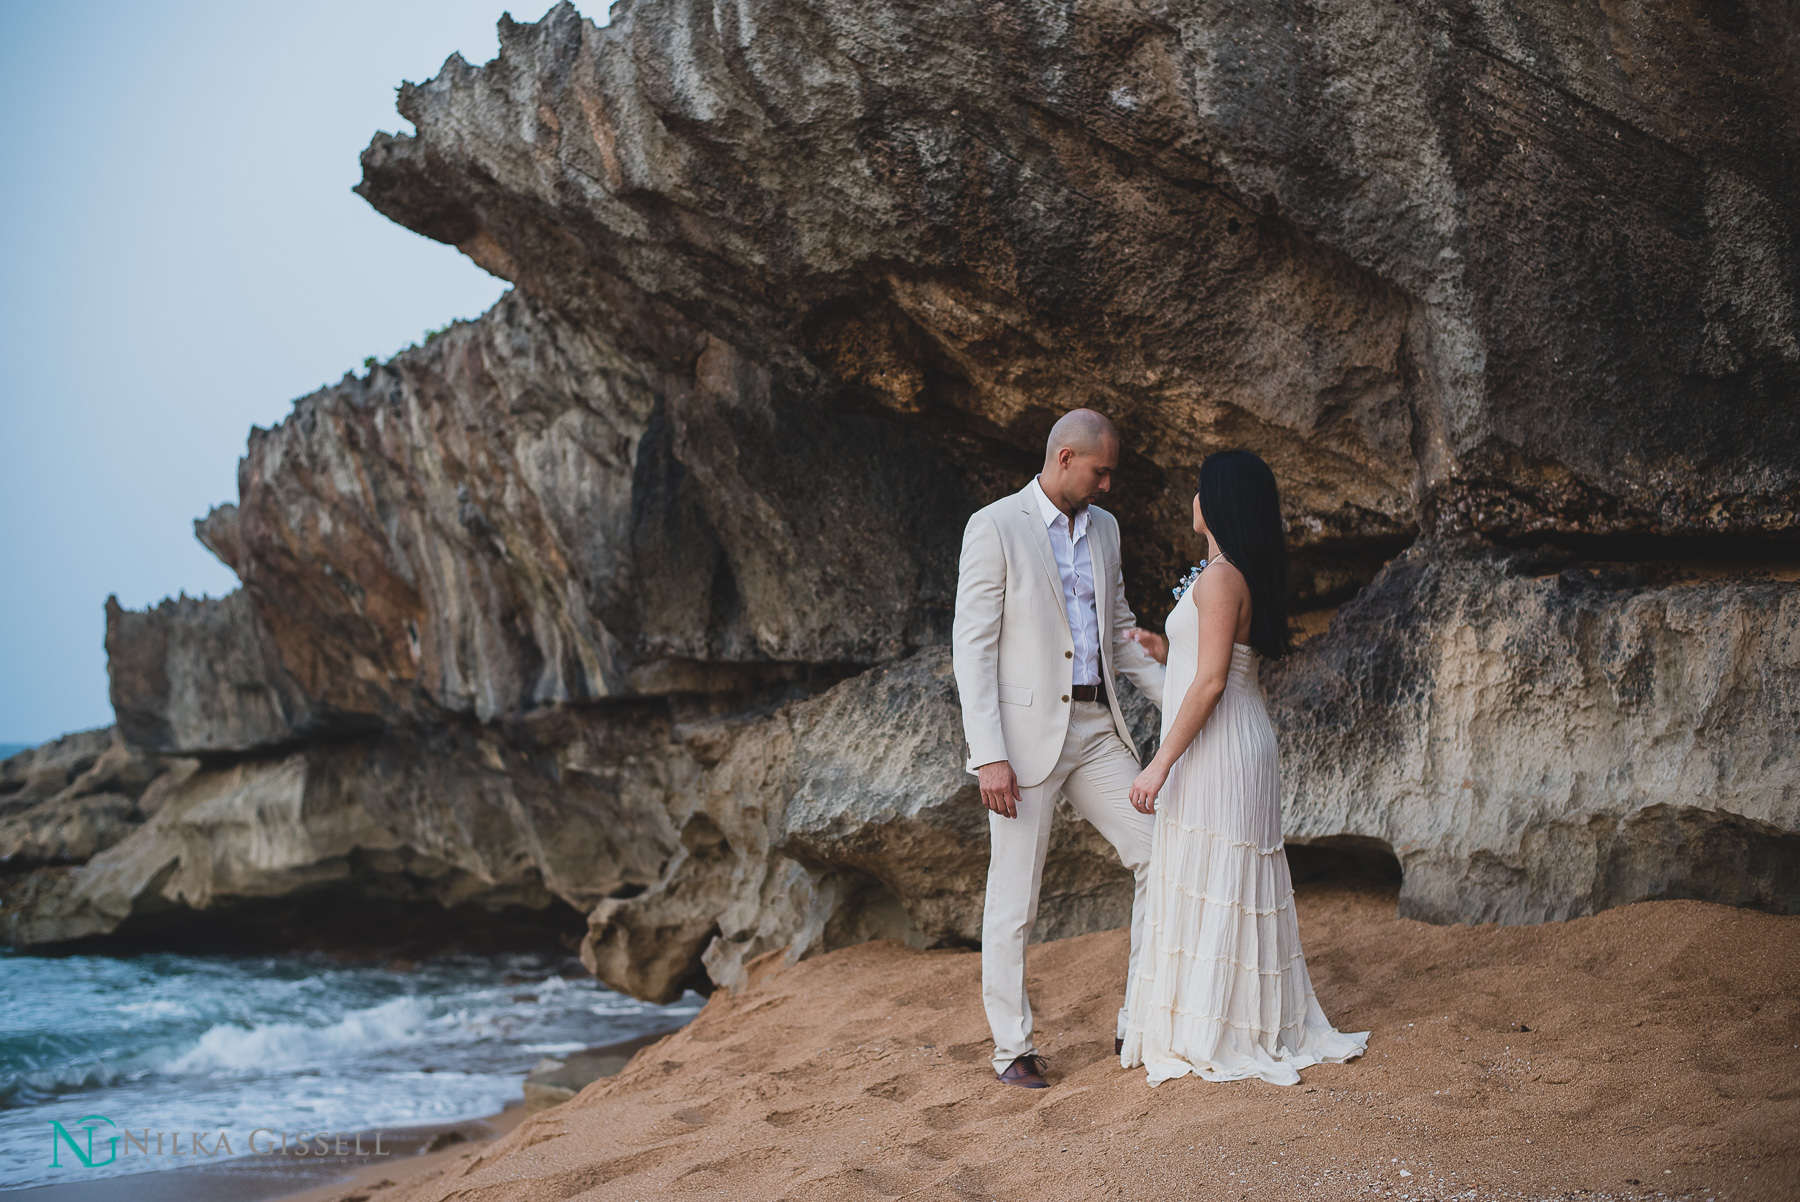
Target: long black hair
1242 508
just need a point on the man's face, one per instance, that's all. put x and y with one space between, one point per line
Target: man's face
1087 477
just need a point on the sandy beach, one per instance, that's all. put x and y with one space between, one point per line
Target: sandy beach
1649 1051
374 1177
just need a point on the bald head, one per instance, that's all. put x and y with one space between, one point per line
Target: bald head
1079 460
1083 431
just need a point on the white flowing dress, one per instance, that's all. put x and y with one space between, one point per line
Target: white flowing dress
1222 990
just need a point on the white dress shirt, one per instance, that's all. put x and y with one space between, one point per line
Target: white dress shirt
1069 541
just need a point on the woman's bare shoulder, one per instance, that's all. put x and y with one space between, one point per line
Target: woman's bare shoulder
1221 582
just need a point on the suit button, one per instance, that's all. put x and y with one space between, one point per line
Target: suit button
1068 655
1065 696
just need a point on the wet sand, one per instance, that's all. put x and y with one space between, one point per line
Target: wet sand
1649 1051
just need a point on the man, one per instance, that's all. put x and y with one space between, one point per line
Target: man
1041 622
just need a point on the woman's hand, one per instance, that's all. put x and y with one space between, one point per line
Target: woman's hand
1148 784
1155 644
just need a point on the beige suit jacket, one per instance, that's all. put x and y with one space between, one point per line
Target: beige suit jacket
1014 655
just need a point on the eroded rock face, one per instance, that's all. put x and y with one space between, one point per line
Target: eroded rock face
1538 737
74 796
530 513
199 676
40 773
389 821
629 598
1493 266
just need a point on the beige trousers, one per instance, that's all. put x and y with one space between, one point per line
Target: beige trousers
1095 772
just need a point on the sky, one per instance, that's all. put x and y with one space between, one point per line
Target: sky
183 257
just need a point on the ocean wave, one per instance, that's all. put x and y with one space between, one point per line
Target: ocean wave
283 1046
160 1008
31 1085
28 1082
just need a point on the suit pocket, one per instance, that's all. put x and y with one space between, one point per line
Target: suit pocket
1015 694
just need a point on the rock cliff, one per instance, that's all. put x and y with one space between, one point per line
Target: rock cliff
77 795
1538 736
627 601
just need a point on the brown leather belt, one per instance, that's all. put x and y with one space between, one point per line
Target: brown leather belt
1088 692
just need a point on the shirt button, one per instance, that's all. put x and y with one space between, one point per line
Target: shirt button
1065 696
1068 655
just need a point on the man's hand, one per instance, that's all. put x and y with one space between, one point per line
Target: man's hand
1155 644
999 788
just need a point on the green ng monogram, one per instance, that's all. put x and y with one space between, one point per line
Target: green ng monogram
86 1157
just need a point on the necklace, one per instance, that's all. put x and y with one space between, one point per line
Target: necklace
1188 580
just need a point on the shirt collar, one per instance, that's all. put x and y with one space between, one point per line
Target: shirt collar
1047 508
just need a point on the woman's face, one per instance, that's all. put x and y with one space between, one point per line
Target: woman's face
1199 519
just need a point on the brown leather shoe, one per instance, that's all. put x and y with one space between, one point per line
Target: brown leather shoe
1118 1045
1027 1072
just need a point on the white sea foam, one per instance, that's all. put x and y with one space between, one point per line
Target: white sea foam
159 1008
282 1046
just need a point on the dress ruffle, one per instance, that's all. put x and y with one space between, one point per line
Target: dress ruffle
1222 990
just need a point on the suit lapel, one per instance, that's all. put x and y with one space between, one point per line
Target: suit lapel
1097 561
1040 538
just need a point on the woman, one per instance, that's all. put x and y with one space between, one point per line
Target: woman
1223 991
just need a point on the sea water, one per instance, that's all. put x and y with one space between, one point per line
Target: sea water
286 1043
